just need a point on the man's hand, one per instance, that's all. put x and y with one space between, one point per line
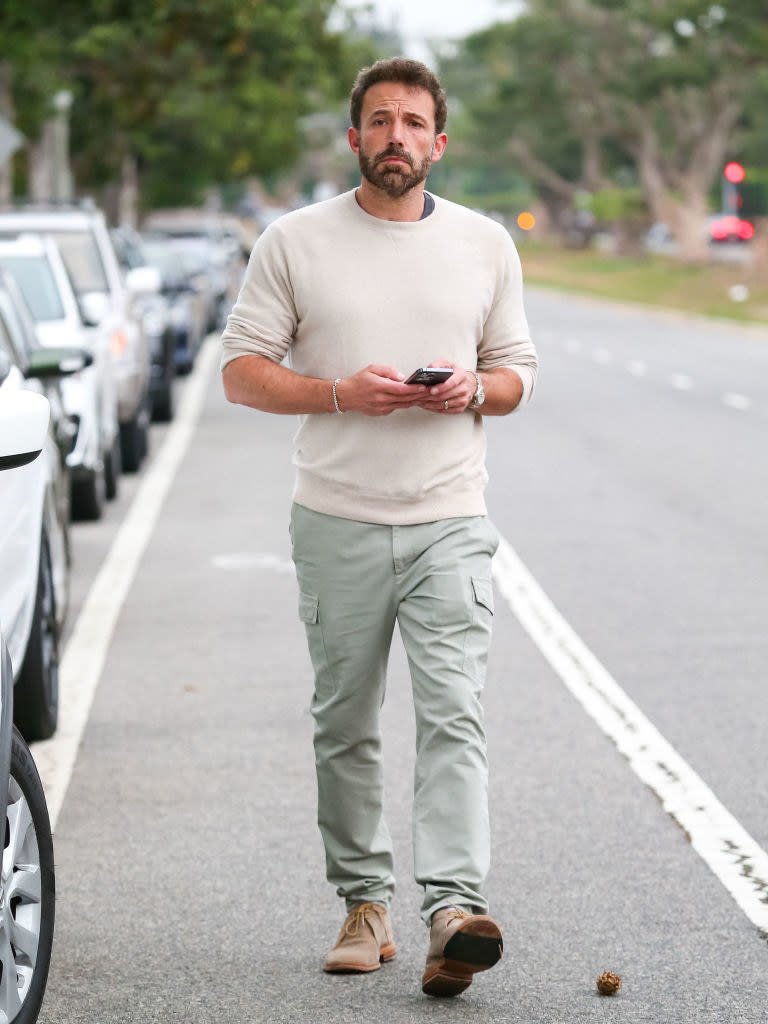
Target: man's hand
454 395
377 391
503 391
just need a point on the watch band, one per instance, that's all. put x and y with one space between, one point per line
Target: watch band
479 396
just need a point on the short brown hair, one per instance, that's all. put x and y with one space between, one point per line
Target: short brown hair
407 72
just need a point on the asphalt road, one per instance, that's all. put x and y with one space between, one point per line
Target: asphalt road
189 868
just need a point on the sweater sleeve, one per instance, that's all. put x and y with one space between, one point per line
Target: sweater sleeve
263 320
506 339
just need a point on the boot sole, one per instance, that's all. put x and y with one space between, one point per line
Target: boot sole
476 948
386 953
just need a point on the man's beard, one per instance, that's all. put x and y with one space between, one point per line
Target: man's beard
394 179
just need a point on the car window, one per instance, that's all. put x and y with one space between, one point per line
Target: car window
80 253
35 279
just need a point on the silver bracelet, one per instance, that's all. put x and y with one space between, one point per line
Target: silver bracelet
335 399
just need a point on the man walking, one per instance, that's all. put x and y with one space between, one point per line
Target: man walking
389 521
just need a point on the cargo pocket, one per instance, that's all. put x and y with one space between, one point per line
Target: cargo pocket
308 604
478 639
482 591
309 613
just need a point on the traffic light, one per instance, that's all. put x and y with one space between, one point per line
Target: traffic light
740 196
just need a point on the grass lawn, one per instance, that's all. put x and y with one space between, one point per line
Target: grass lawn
653 280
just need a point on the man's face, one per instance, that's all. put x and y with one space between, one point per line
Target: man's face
396 144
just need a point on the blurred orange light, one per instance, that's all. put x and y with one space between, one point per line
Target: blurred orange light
119 343
526 221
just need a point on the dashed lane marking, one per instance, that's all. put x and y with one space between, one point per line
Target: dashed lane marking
729 851
736 401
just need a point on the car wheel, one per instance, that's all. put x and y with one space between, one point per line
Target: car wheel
112 468
133 439
28 899
36 693
89 495
162 404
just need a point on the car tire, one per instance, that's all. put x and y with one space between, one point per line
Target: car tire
162 404
36 693
134 440
113 465
29 887
89 495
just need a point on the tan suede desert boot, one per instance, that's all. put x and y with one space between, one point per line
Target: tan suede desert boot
459 945
365 940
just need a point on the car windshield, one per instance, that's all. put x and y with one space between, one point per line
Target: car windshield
80 252
35 279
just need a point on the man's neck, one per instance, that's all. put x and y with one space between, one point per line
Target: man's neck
379 204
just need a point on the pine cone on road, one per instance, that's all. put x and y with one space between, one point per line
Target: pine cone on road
608 984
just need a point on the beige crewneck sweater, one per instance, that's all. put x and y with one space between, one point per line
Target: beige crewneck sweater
331 289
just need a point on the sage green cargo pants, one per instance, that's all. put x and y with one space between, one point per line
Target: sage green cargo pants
356 580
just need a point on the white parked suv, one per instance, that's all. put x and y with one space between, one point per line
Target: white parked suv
34 553
90 397
28 903
104 298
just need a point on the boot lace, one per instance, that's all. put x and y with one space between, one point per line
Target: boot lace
456 915
356 918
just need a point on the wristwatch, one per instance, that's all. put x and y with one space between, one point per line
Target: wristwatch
479 396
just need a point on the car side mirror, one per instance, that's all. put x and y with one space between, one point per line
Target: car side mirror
47 363
24 417
94 307
144 281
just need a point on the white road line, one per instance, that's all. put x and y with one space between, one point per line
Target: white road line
603 356
736 401
728 850
83 660
681 382
637 368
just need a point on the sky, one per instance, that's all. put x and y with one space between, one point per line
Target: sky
420 20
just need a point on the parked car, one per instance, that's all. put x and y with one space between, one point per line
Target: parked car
154 308
210 242
28 902
82 235
34 549
90 397
727 227
188 292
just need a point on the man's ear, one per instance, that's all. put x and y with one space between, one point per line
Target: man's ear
441 142
354 140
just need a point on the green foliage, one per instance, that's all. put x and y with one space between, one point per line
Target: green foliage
613 204
198 91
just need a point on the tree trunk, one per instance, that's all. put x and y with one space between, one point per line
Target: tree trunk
688 221
6 111
41 163
128 197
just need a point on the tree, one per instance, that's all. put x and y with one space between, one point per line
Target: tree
190 92
663 82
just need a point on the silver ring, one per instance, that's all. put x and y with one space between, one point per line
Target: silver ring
445 404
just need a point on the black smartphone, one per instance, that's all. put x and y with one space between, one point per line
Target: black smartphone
430 375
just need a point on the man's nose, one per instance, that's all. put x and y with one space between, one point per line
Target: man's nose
396 131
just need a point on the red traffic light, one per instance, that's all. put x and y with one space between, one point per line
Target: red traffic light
734 172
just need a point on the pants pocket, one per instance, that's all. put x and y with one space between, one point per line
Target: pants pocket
478 639
309 614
